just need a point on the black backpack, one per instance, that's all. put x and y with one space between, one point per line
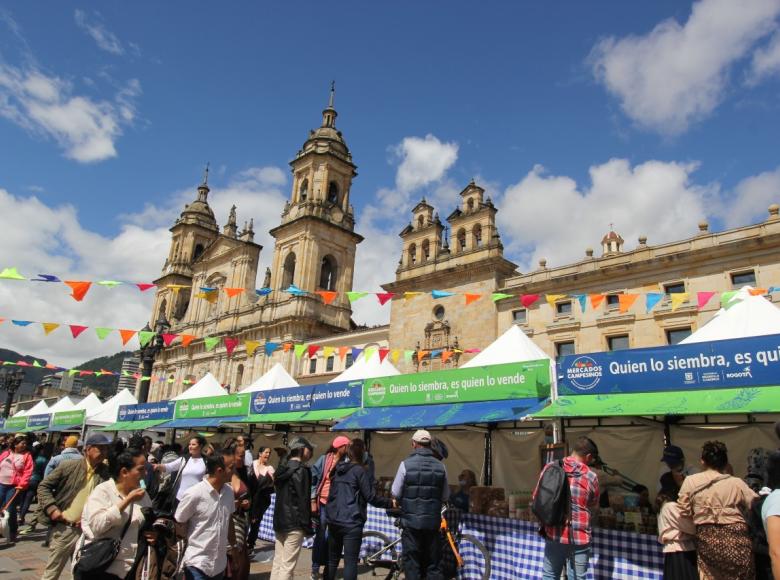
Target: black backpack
552 502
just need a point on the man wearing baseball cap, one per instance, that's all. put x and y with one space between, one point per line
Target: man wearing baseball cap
62 495
420 486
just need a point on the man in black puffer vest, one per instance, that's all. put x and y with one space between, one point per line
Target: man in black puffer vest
420 486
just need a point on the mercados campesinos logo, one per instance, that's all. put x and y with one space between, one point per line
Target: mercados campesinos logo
584 373
376 393
184 406
258 403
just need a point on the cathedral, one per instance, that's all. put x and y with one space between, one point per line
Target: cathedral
314 251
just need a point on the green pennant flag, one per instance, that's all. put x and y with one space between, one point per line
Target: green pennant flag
299 348
210 342
72 372
103 332
726 298
36 363
369 352
11 274
408 354
109 283
496 296
355 296
144 336
125 374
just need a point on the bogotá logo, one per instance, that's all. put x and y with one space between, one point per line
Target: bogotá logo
376 393
584 373
258 404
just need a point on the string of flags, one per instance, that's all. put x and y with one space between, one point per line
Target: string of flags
626 301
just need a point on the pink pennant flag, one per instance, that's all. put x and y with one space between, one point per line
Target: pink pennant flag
75 329
230 344
527 300
702 298
169 338
144 287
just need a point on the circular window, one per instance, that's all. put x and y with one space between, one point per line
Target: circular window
438 313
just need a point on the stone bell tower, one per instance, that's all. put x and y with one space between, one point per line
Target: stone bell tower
316 242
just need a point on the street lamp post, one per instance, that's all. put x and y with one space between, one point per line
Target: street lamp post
148 353
10 381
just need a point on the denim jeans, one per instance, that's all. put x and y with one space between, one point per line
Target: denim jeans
347 539
6 493
192 573
557 555
319 549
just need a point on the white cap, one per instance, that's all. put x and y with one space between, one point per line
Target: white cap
421 436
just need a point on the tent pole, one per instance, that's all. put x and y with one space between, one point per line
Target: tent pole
487 467
367 440
667 432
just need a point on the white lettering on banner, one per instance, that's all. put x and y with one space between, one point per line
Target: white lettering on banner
627 367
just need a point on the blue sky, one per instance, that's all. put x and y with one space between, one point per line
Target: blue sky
651 115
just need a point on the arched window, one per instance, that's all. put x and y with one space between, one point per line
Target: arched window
239 376
303 190
461 240
412 254
288 275
426 250
477 233
328 273
333 192
197 251
470 204
420 222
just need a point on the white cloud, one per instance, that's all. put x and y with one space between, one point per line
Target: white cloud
423 161
677 74
752 196
94 27
549 216
46 105
766 60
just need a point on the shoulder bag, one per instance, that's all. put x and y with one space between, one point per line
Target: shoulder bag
96 556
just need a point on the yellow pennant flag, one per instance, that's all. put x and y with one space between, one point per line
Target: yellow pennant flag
327 351
408 295
553 298
626 301
677 299
49 327
395 355
251 346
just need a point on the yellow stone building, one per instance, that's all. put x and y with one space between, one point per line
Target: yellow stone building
314 250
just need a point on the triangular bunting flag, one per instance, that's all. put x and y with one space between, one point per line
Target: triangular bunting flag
496 296
596 300
176 288
287 346
299 348
327 351
408 295
356 353
72 372
103 332
144 287
355 296
677 299
186 339
37 364
408 354
126 335
440 294
76 329
312 350
295 291
421 354
343 352
445 355
230 345
327 295
144 336
79 289
263 291
11 274
383 297
757 291
702 298
435 353
553 298
49 327
21 322
46 278
209 342
369 352
471 298
651 299
383 352
582 299
233 292
395 355
527 300
251 346
270 347
727 297
109 283
626 301
168 338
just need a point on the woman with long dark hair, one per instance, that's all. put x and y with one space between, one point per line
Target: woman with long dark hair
41 455
190 469
716 501
16 469
261 477
676 532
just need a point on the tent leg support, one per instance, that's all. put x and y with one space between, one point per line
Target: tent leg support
487 467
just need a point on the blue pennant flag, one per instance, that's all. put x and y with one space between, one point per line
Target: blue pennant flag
583 300
356 353
653 298
440 294
263 291
46 278
295 291
22 322
270 347
435 353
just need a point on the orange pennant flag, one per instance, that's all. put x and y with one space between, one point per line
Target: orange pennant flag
79 289
49 327
596 300
343 350
626 301
287 346
757 291
186 339
422 354
445 355
472 298
126 335
326 295
232 292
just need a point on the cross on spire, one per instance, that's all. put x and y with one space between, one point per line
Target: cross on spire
332 94
206 174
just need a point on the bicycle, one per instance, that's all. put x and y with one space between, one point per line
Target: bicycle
383 553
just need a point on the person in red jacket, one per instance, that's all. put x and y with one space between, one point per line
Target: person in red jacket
16 468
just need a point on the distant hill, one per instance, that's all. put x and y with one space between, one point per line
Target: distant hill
32 375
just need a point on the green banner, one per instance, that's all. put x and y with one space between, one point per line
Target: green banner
490 383
15 424
225 406
68 418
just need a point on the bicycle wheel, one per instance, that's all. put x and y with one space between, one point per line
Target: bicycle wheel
372 548
476 559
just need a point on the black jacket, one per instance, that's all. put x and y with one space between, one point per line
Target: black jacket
421 495
292 510
350 491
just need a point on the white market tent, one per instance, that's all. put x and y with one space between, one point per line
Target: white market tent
91 405
744 316
64 404
106 414
21 413
208 386
367 369
512 346
275 378
40 408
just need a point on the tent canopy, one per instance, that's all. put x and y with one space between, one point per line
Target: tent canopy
299 416
276 377
22 413
40 408
106 414
745 315
208 386
91 404
64 404
512 346
199 422
367 369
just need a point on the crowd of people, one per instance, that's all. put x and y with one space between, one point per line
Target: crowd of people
143 509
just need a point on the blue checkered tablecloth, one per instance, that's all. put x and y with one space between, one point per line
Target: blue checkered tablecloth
517 551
